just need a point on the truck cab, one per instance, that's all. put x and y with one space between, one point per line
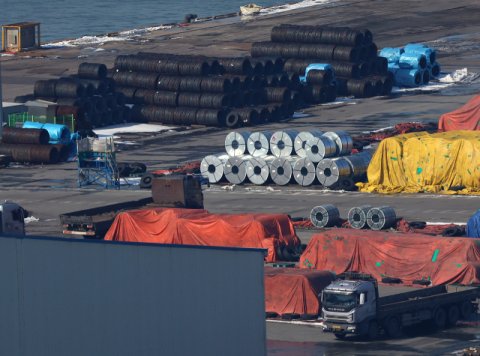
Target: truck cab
11 219
349 305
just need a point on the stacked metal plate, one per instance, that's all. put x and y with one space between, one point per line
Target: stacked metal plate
301 140
258 169
357 217
281 169
330 171
212 167
381 218
304 171
318 148
325 215
342 140
282 143
235 168
236 142
258 143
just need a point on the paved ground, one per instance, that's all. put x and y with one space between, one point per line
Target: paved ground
451 27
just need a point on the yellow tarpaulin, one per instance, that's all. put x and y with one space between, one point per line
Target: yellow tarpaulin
422 162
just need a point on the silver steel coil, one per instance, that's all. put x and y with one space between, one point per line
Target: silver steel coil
282 143
342 140
211 167
258 143
318 148
301 140
381 218
258 169
304 171
325 215
236 142
235 168
329 171
281 169
357 217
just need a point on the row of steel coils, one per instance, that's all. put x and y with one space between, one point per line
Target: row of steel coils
359 217
288 156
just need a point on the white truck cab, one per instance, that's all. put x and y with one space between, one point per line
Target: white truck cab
11 218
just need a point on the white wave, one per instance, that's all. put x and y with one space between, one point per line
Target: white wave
289 7
92 40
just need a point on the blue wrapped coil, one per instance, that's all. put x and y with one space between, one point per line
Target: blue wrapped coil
425 76
58 133
412 61
319 66
392 54
434 70
430 53
408 78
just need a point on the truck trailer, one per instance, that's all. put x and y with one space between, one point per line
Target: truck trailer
351 305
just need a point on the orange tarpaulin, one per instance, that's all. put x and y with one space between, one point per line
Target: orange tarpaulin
465 118
295 290
410 257
199 227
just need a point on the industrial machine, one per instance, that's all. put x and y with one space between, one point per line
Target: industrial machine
12 218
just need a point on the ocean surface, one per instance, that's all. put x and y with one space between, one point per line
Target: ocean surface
65 19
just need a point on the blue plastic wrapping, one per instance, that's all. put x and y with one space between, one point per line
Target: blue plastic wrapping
412 61
430 53
473 225
392 54
435 68
319 66
408 78
58 133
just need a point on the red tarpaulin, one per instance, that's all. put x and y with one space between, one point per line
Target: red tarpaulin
295 290
199 227
410 257
465 118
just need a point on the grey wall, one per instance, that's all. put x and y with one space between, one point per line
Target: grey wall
74 297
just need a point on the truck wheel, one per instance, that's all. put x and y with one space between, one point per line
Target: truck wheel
373 330
465 309
340 336
393 327
440 318
453 315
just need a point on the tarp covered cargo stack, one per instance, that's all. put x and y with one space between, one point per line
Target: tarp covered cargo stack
199 227
294 290
441 260
465 118
447 163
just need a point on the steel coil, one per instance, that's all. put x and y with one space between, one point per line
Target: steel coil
276 112
258 144
246 116
64 89
211 117
212 167
69 102
276 95
92 71
216 85
377 86
77 112
236 142
25 136
110 102
332 92
315 94
330 170
22 99
101 88
304 171
288 110
387 83
301 141
283 80
268 67
381 218
99 104
247 98
63 152
281 169
146 80
45 88
382 65
193 67
357 217
263 114
282 143
318 148
425 77
258 169
343 141
270 81
358 167
319 77
94 118
185 116
169 83
232 119
235 169
325 216
28 153
359 88
317 34
240 66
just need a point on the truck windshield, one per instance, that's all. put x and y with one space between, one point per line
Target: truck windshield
344 300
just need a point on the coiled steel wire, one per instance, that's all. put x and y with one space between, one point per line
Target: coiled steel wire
92 71
22 136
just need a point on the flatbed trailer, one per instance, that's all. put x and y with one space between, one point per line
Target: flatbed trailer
351 305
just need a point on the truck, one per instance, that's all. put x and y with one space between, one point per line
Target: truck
176 191
12 218
351 305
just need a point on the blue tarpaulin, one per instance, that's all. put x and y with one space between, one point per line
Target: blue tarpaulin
430 53
408 78
392 54
58 133
433 69
473 225
412 61
319 66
